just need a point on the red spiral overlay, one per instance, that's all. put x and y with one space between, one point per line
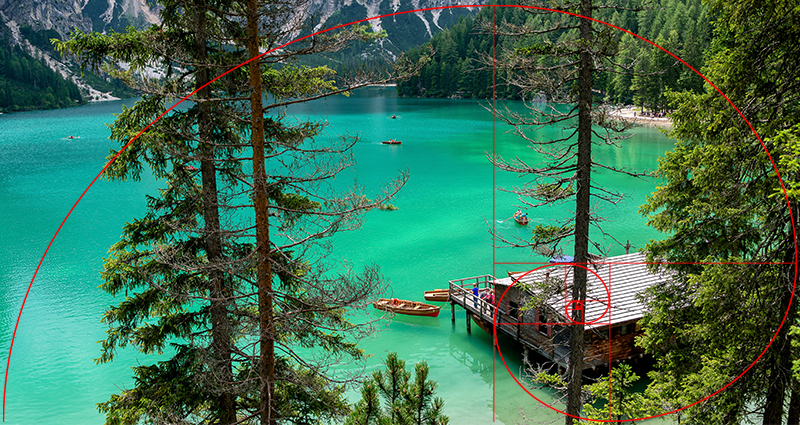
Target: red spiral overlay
494 262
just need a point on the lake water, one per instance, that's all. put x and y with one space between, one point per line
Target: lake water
440 232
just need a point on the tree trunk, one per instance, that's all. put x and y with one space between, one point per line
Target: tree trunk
794 404
261 204
780 360
220 326
575 373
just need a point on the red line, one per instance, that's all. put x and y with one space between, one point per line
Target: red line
565 289
791 215
540 324
19 316
633 263
785 194
494 203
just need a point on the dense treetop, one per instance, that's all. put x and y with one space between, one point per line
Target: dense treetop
680 26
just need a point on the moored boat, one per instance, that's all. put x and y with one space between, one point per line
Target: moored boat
412 308
437 295
487 327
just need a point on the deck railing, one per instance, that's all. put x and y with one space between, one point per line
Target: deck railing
461 293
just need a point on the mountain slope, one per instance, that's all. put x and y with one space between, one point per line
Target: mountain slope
29 25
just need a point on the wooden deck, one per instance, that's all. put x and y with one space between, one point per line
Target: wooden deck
461 294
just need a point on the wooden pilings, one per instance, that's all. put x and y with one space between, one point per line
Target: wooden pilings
453 311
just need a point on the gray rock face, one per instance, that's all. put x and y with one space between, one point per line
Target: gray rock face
64 16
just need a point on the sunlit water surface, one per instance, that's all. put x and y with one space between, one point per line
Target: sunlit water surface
440 232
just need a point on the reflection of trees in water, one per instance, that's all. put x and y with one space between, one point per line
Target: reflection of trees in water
473 351
513 405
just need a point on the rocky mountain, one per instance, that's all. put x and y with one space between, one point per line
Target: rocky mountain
404 30
28 25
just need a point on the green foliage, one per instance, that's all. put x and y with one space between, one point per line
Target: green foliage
620 401
290 81
187 272
407 402
787 149
609 398
721 202
402 32
41 39
680 26
27 84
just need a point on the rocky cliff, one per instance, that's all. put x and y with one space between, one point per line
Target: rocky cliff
51 17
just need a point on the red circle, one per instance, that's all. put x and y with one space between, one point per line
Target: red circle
794 232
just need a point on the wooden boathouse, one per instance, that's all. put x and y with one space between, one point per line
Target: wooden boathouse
534 308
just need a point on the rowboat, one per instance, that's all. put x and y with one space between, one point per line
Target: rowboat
437 295
521 219
391 142
412 308
487 327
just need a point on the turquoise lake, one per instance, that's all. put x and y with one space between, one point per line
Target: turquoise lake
440 232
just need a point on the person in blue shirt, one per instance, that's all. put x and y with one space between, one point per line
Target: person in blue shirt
476 293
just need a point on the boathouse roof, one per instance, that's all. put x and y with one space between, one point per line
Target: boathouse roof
618 279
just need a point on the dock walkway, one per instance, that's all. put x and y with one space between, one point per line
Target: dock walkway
460 292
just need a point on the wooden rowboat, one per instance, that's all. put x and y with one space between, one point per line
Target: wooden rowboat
521 219
437 295
412 308
487 327
391 142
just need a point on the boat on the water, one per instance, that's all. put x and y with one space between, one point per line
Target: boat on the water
412 308
391 142
521 219
487 327
437 295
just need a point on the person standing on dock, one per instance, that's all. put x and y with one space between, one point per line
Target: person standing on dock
476 294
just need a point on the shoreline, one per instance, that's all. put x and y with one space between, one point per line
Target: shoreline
627 114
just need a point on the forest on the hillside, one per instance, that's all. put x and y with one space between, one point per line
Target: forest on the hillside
27 83
459 69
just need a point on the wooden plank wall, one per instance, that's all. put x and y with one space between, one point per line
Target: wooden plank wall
622 347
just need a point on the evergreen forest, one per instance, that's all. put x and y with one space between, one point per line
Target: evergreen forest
240 302
459 66
27 83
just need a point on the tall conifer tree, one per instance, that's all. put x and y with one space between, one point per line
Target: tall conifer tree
564 71
732 246
241 301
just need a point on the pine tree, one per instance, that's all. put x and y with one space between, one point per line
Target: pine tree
564 71
407 402
235 300
732 245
